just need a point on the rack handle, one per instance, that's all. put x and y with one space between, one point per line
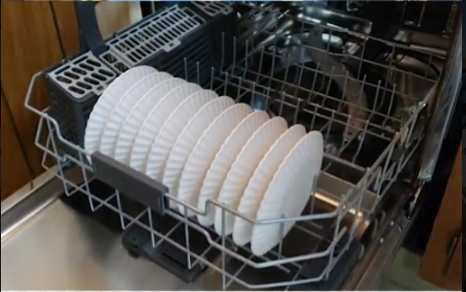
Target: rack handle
130 182
89 33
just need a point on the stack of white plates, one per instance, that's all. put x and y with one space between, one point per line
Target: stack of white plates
206 148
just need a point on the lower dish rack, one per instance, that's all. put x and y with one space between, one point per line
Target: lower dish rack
355 175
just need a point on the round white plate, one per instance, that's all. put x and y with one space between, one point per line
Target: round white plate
174 94
288 192
136 117
188 139
204 152
146 136
172 128
223 161
105 104
260 180
124 107
243 168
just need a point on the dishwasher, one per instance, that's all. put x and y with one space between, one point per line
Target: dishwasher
379 88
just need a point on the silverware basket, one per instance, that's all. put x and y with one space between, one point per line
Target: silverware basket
373 128
191 31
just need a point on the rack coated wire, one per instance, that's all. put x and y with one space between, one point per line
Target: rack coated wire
339 203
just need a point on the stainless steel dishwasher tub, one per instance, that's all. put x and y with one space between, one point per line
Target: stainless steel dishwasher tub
46 245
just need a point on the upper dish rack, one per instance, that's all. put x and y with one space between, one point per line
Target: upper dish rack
368 144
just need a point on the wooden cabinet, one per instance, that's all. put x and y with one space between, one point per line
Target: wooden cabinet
15 172
67 26
30 44
35 36
442 263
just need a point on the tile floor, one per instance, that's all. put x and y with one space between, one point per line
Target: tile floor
402 275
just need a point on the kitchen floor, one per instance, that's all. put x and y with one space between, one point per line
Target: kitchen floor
402 275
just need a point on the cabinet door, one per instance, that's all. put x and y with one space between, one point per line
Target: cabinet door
442 261
67 26
39 35
15 173
30 44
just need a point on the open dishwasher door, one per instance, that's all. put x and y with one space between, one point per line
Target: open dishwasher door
103 225
55 247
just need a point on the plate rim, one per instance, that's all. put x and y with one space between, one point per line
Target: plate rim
266 117
280 121
228 101
303 140
136 107
103 99
267 156
214 123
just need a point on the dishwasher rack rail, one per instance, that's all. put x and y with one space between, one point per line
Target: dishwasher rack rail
346 193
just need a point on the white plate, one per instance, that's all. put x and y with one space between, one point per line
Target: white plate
124 107
188 139
173 94
105 104
148 132
223 161
260 180
136 117
243 168
172 128
288 192
204 152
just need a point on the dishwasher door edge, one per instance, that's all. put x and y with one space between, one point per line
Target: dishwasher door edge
33 198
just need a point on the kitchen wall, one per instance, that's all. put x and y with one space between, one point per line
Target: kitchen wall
35 36
114 16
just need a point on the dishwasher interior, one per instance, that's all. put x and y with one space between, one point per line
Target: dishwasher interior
379 88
